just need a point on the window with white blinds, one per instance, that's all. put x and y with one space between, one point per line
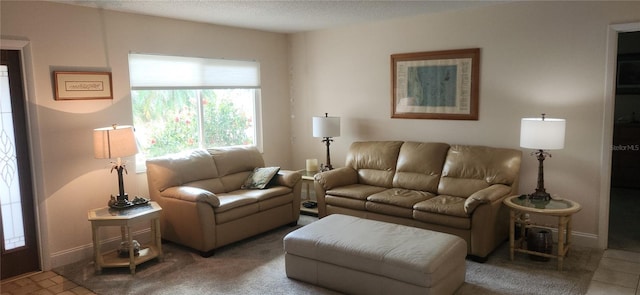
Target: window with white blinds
181 103
149 71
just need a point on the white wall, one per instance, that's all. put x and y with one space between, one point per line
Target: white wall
62 37
536 57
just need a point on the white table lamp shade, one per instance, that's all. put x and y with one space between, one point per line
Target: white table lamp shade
542 134
114 142
326 126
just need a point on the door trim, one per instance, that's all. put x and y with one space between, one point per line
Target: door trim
607 132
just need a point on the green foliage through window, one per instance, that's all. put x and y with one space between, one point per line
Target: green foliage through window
170 121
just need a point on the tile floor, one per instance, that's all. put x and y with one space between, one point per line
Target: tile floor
617 274
42 283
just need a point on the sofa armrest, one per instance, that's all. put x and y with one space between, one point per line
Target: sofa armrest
288 178
192 194
337 177
487 195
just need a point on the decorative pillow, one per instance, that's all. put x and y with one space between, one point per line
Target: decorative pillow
260 177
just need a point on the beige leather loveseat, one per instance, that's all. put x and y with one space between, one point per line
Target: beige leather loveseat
204 205
456 189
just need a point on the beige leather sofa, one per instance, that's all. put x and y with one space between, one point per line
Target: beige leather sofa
456 189
203 205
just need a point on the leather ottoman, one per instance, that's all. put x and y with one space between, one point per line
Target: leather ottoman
361 256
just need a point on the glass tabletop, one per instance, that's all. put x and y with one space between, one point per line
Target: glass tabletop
134 211
522 202
308 175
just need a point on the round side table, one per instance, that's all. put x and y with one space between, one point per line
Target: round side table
521 205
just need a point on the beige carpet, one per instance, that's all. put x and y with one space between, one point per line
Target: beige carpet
256 266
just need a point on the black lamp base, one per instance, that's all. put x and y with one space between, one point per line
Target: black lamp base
328 166
324 168
120 202
540 195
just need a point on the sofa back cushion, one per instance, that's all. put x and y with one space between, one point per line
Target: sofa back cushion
468 169
420 166
375 161
235 164
177 169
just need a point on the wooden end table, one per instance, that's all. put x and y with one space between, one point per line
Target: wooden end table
124 218
307 180
563 209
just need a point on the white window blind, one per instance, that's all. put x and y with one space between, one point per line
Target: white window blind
156 72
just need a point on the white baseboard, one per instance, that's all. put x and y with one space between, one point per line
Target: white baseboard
584 239
83 252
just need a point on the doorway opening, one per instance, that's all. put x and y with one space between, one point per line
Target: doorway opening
624 202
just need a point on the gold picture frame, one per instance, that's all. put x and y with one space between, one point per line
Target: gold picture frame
436 85
82 85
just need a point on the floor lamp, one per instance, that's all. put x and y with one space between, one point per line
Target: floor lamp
116 142
327 128
542 134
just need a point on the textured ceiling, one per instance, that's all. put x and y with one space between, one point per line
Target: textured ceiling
279 16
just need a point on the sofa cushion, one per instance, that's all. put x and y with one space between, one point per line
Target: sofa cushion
443 204
400 197
396 202
177 169
461 187
355 191
241 203
213 185
264 194
239 198
375 161
420 165
192 194
231 160
233 200
468 169
234 182
260 177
